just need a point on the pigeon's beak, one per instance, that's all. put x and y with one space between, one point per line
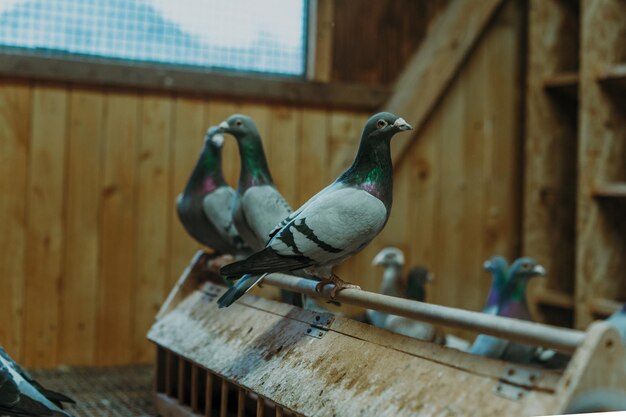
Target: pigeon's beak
378 259
218 139
539 270
223 126
487 265
401 124
430 277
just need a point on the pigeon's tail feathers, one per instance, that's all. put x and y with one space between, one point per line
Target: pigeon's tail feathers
56 397
241 287
265 261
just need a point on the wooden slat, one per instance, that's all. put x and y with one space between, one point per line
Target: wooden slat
260 407
550 154
186 143
224 399
15 102
195 397
290 91
81 258
435 64
208 409
241 402
283 158
153 207
118 230
321 43
45 225
312 154
565 83
614 78
610 190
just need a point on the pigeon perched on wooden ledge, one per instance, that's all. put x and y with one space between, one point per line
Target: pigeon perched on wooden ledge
21 395
205 204
337 222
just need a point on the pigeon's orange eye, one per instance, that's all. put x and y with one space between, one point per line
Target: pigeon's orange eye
381 123
239 123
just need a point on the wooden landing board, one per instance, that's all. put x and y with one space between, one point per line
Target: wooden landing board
351 370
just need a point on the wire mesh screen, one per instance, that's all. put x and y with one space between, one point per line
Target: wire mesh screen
250 35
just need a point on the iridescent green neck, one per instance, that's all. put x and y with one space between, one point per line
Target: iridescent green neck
207 174
254 169
372 169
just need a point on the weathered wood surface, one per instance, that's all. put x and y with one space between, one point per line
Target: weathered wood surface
601 240
550 153
435 64
353 369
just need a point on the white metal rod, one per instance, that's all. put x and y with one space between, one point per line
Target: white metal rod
561 339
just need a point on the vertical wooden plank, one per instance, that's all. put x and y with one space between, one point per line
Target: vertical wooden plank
118 230
181 380
153 205
195 398
241 402
224 399
321 48
45 225
81 258
186 143
279 411
208 411
284 150
312 154
15 108
260 407
214 113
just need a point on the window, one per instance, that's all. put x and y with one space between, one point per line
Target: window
248 35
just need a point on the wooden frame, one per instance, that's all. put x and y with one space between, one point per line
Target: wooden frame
266 88
275 359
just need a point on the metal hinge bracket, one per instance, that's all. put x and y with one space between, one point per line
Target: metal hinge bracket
516 382
320 325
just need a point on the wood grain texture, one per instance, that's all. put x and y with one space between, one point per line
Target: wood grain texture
601 240
82 246
283 159
45 222
118 229
15 122
550 157
436 63
153 206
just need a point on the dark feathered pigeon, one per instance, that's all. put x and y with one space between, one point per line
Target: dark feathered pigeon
508 299
204 207
338 221
21 395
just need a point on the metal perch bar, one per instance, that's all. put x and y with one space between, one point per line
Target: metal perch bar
561 339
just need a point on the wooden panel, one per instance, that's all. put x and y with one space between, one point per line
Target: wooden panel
153 205
283 158
44 242
186 143
376 46
118 230
81 258
312 155
15 108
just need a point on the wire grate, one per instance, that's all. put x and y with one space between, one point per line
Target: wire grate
263 36
103 392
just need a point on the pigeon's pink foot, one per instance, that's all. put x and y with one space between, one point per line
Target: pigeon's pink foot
214 264
337 282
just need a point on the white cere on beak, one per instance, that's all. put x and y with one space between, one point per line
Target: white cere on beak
218 139
487 265
539 270
430 277
401 124
224 125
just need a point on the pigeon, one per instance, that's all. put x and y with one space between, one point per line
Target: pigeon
204 206
413 287
258 206
508 300
21 395
618 320
335 223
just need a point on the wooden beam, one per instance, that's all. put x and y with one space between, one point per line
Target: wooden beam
197 81
320 49
435 64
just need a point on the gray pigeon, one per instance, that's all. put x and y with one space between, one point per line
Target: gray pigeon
510 299
334 224
204 206
258 206
21 395
413 288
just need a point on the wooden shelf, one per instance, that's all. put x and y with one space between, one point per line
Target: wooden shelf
603 307
565 83
610 190
615 77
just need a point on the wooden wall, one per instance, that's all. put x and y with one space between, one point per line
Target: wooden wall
90 243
